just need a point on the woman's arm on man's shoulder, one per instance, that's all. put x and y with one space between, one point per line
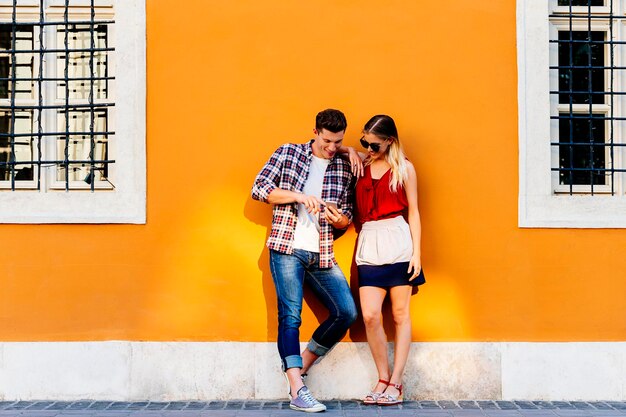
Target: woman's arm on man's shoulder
356 159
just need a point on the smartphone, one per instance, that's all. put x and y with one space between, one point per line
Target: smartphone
331 204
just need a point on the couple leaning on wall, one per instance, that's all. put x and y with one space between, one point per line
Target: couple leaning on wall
316 189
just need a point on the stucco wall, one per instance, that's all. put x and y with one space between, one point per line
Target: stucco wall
228 82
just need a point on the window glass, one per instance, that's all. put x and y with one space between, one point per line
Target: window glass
79 146
24 62
581 81
581 2
585 151
79 37
23 145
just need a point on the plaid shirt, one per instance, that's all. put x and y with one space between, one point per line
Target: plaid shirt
288 169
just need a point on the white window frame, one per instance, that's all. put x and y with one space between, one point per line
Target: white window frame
126 203
539 204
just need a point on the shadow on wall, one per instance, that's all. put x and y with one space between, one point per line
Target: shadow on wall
438 310
261 214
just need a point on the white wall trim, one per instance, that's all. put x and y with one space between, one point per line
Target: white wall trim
127 203
538 206
167 371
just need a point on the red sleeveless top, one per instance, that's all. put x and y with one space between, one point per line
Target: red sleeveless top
374 199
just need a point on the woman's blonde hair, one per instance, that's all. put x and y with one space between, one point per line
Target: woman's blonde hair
383 127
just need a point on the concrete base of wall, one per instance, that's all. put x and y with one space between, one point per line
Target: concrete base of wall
164 371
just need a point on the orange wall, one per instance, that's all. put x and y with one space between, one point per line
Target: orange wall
228 82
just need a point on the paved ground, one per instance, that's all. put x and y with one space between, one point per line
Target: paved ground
245 408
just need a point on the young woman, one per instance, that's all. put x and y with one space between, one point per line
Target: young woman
388 248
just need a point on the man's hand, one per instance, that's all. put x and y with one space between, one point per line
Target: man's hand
311 203
335 217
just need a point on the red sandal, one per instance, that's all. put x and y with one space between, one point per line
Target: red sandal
372 397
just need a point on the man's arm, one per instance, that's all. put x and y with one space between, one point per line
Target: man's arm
341 217
266 189
347 201
280 196
267 179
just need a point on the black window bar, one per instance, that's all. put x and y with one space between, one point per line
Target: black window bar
585 142
94 83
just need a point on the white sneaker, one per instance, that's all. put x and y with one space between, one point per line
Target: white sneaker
305 401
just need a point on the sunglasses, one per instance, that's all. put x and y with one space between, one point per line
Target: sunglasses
375 147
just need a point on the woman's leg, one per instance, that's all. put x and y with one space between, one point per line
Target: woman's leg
371 306
400 302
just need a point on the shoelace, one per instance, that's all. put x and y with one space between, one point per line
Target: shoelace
307 397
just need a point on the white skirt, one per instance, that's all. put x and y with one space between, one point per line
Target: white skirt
383 242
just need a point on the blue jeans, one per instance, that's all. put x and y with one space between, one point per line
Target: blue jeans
290 272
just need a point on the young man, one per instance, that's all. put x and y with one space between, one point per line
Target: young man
310 187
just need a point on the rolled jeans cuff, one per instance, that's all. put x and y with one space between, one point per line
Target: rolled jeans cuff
316 348
292 361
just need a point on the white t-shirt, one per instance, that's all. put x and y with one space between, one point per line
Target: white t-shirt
307 233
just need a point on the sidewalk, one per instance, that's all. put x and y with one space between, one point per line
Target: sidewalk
258 408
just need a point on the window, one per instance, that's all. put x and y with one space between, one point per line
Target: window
72 147
584 149
571 57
